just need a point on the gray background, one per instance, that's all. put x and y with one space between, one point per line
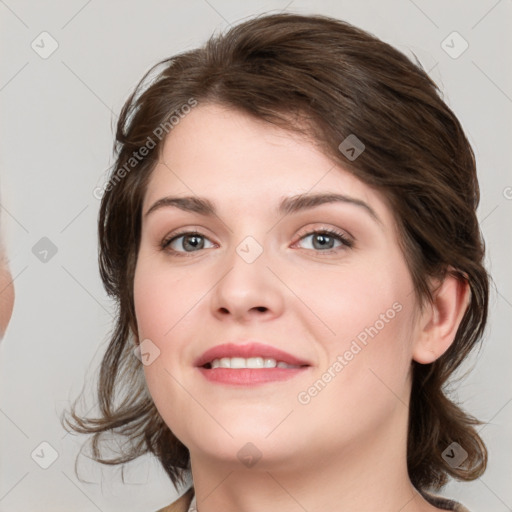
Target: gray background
57 117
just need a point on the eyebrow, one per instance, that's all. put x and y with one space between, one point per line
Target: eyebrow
287 206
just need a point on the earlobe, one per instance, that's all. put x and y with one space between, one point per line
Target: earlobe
438 324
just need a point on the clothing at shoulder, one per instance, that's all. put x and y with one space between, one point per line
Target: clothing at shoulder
182 504
187 503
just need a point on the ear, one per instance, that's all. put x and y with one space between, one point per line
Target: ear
438 324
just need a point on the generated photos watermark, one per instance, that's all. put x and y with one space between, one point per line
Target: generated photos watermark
159 133
342 360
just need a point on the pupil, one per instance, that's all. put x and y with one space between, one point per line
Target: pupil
323 240
194 241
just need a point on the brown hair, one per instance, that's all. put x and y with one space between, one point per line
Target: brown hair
340 81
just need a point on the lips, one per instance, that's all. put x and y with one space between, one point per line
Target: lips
247 350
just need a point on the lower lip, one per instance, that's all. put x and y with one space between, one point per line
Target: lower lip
250 376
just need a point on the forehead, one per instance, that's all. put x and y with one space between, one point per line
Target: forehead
230 156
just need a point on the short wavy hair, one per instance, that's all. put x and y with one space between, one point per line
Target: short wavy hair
339 80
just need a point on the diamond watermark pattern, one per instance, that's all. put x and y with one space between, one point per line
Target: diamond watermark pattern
249 249
147 352
455 455
44 455
44 250
44 45
454 45
249 455
352 147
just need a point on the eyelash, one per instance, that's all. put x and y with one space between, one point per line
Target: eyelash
345 241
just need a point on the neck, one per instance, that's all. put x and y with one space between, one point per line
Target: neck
369 474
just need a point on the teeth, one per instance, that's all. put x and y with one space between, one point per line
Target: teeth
250 362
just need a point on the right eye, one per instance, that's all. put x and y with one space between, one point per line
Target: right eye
185 242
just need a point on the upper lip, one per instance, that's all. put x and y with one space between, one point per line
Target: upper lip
253 349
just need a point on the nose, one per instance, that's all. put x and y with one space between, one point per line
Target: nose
248 291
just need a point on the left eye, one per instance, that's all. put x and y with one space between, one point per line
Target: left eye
326 240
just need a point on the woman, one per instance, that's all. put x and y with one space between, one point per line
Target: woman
290 233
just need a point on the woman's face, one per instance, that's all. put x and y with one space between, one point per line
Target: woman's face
340 301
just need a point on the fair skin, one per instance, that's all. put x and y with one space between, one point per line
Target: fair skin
346 448
6 293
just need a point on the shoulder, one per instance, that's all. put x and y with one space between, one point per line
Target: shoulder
182 504
443 503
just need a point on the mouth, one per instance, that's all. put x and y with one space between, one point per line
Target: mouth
248 364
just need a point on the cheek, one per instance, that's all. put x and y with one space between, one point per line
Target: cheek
365 328
364 379
167 302
161 304
162 297
350 299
